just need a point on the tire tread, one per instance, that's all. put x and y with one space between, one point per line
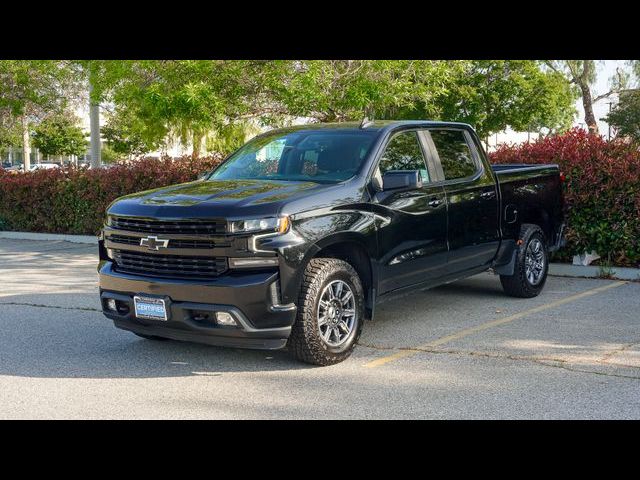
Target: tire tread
304 343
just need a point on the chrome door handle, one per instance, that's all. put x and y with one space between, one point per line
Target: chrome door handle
490 194
434 202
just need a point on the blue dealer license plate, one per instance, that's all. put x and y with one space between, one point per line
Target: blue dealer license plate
152 308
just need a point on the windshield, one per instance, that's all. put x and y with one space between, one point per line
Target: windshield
315 156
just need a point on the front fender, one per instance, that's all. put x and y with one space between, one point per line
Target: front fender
315 231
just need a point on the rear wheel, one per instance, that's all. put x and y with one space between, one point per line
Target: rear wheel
330 313
532 264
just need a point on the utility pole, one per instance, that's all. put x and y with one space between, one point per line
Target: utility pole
94 120
610 103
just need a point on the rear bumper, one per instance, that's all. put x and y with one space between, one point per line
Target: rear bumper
248 297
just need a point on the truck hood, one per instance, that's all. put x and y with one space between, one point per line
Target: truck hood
214 198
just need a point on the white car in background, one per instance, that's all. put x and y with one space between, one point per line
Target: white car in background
43 166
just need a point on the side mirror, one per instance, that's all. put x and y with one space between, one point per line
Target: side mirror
401 180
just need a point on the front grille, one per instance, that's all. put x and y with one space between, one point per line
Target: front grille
173 243
186 227
169 266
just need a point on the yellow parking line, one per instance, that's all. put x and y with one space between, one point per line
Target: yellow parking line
407 352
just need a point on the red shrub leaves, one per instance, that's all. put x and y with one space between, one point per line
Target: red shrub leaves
74 200
602 191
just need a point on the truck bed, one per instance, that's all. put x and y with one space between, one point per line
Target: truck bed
511 167
530 191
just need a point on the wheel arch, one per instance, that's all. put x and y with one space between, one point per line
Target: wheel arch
353 249
540 217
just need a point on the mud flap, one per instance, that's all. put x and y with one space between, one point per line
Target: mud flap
508 268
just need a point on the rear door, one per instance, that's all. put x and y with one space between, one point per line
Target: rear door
413 241
472 198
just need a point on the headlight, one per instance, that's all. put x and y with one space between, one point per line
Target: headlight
273 224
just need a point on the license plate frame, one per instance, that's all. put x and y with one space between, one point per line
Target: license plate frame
147 309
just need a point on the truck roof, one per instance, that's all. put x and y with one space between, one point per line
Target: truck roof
376 125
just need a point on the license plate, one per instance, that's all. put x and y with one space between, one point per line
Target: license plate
151 308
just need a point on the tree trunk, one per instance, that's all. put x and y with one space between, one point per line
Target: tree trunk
94 127
587 103
197 140
26 143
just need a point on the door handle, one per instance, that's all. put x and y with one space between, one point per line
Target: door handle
489 194
434 202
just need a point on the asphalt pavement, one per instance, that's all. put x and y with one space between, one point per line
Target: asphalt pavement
463 350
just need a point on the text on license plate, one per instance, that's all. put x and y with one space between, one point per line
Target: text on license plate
153 308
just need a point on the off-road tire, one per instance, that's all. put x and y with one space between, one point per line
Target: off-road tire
517 285
305 342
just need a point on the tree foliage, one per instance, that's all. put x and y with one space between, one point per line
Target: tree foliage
492 95
176 99
625 117
60 135
197 100
37 87
127 136
9 132
212 103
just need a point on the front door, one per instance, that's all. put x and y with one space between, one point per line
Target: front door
413 237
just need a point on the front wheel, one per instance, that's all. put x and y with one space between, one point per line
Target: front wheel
532 264
330 313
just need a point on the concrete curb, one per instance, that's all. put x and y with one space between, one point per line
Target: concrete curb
592 271
88 239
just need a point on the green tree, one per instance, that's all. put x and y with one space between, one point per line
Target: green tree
625 117
582 74
157 101
489 94
183 99
31 89
60 135
340 90
125 134
230 137
493 95
10 133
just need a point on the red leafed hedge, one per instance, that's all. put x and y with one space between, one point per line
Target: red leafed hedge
602 191
74 200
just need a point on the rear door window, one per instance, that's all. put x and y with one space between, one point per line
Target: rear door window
454 152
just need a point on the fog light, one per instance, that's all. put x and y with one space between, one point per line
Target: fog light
224 318
111 305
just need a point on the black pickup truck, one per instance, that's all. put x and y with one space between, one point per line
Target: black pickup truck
296 236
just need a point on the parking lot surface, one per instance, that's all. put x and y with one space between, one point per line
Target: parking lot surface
464 350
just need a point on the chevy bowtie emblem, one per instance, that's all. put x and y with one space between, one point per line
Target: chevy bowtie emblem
154 243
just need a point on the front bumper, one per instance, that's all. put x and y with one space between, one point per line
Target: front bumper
248 297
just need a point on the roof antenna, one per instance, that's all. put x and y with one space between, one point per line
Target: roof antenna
366 122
